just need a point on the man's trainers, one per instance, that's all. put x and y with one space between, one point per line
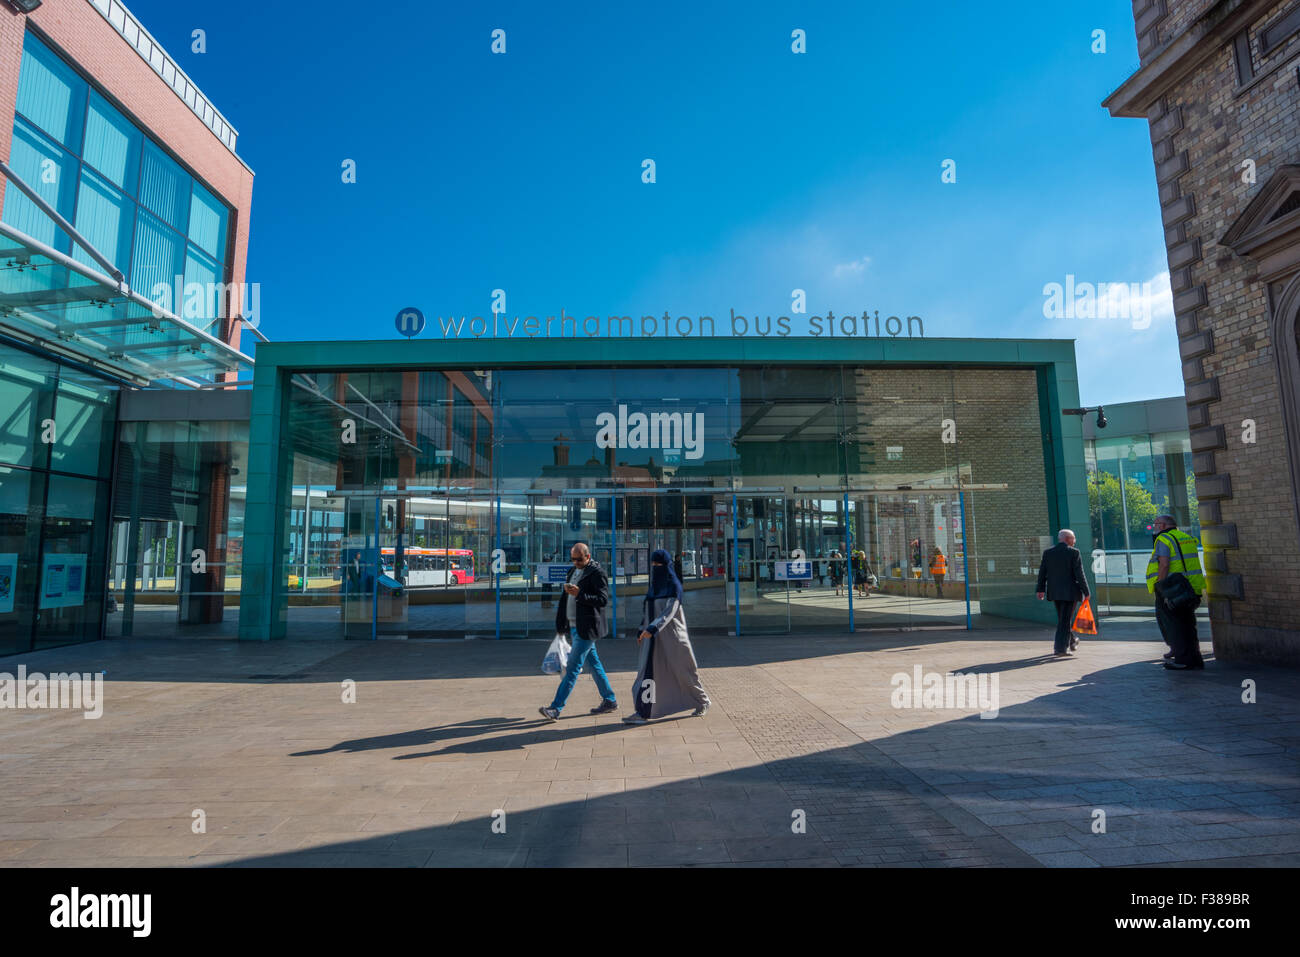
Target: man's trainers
634 719
700 712
605 707
550 714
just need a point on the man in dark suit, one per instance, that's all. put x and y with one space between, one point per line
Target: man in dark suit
581 615
1060 578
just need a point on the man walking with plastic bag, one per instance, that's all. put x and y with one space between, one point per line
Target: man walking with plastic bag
1061 580
581 614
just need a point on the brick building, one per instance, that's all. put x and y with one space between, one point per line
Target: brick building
1219 85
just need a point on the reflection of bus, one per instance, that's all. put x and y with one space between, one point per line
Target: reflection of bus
433 566
690 568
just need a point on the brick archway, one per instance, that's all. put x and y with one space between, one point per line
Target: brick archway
1285 336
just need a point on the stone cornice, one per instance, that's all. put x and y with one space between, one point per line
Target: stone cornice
1182 54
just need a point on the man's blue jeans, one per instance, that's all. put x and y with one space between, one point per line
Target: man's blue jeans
583 650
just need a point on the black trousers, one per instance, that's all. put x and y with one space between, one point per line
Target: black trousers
1064 619
1179 631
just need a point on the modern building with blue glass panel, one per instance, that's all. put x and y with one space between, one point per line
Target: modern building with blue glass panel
123 236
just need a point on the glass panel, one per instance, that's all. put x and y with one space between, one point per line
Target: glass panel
764 599
880 565
390 597
997 441
84 414
208 223
165 187
174 494
22 494
814 524
106 218
27 386
51 172
200 305
72 572
157 261
112 144
627 475
50 93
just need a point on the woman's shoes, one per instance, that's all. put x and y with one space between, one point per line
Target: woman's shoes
700 712
634 719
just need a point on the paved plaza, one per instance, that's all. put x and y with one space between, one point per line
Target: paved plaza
804 760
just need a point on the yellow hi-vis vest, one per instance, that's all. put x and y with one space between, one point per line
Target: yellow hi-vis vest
1189 566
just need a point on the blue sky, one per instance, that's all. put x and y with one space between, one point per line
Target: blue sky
775 171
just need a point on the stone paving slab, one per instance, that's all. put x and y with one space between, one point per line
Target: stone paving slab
804 759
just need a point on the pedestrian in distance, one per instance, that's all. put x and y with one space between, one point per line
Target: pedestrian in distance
938 569
1061 580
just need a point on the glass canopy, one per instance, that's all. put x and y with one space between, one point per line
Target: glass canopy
51 299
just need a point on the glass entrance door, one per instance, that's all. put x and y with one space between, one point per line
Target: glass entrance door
756 545
906 559
374 566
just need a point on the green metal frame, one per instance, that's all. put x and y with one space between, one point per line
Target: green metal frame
262 606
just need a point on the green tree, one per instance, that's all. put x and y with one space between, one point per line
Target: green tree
1106 509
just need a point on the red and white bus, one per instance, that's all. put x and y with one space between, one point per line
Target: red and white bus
433 566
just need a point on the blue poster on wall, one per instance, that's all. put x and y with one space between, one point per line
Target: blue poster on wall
63 581
8 574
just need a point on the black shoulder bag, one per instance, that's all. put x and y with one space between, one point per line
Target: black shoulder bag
1176 590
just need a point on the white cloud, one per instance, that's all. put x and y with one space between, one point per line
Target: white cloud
1123 360
854 268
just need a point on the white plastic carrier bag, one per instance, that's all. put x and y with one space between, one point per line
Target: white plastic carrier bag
557 656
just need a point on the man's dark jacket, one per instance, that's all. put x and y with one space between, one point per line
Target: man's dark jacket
592 597
1061 574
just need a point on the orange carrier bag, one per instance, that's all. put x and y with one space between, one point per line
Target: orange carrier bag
1084 622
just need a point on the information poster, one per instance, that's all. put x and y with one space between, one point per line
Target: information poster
63 581
672 511
640 511
8 580
699 511
550 573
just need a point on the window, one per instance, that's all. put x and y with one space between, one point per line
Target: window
50 94
1279 31
1241 52
112 144
164 187
52 173
105 217
99 171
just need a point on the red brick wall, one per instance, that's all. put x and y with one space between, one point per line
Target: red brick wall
78 31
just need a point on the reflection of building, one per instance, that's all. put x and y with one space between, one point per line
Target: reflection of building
1217 85
953 444
123 236
1139 466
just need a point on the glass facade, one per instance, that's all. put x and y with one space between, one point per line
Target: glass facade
176 539
440 503
56 452
117 186
1132 478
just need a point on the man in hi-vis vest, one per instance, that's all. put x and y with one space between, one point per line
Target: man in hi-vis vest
1176 551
